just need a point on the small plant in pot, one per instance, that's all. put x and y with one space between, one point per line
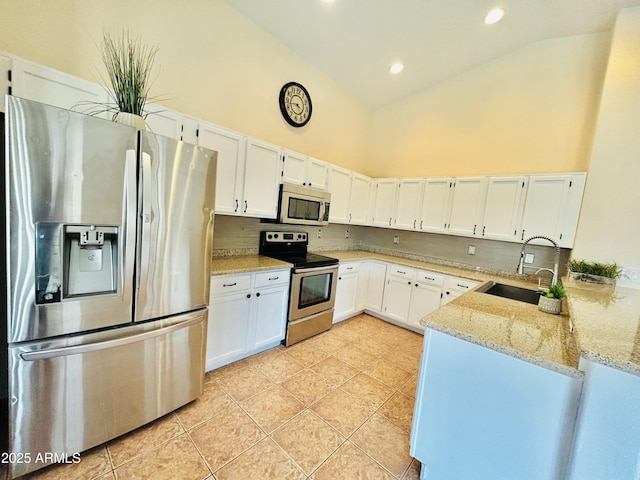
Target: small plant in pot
128 63
594 272
551 301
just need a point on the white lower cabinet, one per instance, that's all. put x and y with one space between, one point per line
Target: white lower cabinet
454 287
425 297
486 415
247 314
397 293
346 291
375 286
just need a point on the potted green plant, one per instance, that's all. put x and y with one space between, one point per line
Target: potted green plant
551 301
594 272
128 63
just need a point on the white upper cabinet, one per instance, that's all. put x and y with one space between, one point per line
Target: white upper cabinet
262 174
384 209
46 85
317 174
340 189
350 192
552 207
302 170
467 206
164 121
359 198
408 203
230 167
504 207
436 204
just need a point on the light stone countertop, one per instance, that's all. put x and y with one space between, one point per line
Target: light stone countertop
244 264
606 321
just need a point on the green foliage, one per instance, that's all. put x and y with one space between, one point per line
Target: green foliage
556 291
609 270
128 63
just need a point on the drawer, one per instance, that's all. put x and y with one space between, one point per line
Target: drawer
462 284
350 267
430 278
400 271
223 284
273 278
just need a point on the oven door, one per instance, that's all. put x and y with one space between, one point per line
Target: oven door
313 290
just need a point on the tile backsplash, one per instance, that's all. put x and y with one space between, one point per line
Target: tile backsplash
240 235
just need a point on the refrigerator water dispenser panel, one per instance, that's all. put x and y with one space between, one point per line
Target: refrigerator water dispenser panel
91 260
48 266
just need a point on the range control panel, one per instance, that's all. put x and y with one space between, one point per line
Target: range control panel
285 237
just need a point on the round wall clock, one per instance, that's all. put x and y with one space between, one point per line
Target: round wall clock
295 104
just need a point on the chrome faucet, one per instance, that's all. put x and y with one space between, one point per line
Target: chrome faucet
556 258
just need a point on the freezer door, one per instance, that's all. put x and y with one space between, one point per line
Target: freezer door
72 394
176 210
71 193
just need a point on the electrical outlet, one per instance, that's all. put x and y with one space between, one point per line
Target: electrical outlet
396 240
319 234
346 234
528 258
471 250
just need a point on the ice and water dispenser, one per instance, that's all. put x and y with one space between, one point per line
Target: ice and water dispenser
75 260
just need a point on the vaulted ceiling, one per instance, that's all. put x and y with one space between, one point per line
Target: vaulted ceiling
355 41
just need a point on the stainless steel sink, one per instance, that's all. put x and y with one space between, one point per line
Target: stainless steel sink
509 291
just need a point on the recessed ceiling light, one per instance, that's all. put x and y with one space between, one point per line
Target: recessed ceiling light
328 1
494 16
396 68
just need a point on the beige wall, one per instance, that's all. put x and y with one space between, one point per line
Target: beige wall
214 64
609 227
532 111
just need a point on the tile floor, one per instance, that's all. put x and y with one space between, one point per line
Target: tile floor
336 406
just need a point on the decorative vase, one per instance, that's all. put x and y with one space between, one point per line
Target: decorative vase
131 119
550 305
589 278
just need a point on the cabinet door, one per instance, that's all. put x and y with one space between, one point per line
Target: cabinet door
375 287
269 316
359 199
46 85
295 168
317 174
230 167
504 207
436 204
397 296
424 300
163 121
385 203
227 329
262 173
363 286
346 292
407 214
545 206
340 189
467 207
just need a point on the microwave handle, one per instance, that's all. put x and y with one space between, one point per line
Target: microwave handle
322 208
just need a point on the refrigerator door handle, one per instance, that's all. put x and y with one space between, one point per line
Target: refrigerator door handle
113 343
129 223
146 226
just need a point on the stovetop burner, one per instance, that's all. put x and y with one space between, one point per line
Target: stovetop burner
292 247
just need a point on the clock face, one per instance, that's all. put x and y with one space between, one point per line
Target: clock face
295 104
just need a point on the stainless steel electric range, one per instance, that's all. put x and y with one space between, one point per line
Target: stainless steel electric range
314 279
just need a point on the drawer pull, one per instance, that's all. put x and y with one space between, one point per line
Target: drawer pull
273 278
230 284
429 278
462 286
349 268
401 272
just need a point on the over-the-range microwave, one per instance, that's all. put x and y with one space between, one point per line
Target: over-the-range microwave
303 205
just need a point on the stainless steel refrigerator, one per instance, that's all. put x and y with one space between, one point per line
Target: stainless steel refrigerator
107 237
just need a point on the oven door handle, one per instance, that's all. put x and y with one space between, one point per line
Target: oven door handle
326 268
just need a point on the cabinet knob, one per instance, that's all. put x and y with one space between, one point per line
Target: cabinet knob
258 294
248 295
416 284
409 283
339 278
